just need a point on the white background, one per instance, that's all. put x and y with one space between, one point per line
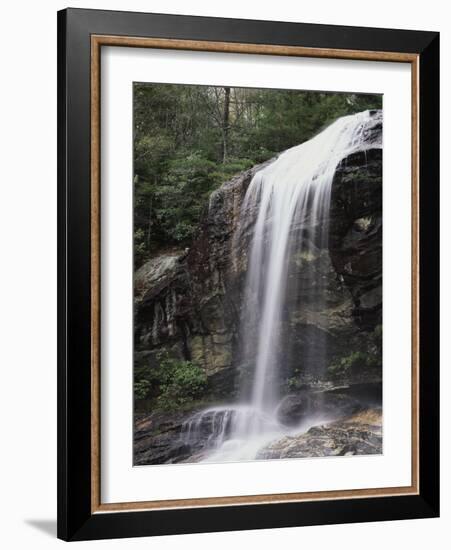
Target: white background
28 275
122 483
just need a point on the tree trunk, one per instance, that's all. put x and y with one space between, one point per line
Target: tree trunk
225 124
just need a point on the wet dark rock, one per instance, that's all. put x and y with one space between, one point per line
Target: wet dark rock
294 407
359 434
355 242
331 401
157 438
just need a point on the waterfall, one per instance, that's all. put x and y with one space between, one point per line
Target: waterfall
290 199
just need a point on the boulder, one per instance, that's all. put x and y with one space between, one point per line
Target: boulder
359 434
158 438
332 402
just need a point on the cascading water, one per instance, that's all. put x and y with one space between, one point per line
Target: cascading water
291 199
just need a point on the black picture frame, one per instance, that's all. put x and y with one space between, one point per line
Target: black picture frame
76 521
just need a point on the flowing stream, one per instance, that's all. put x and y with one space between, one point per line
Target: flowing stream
292 192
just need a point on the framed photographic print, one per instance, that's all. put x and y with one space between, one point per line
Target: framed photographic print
248 274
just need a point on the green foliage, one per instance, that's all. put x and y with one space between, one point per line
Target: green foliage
360 361
139 245
233 166
145 382
377 335
170 383
348 363
141 388
181 382
188 140
294 382
181 195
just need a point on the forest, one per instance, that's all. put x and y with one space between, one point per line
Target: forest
188 140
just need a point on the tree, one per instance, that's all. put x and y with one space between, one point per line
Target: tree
190 139
225 123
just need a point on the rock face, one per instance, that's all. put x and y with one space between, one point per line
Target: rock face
189 303
360 434
356 233
157 439
155 273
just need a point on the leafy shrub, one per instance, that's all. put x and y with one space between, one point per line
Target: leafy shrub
145 382
358 360
294 382
234 166
351 363
141 388
181 382
183 231
171 383
139 245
